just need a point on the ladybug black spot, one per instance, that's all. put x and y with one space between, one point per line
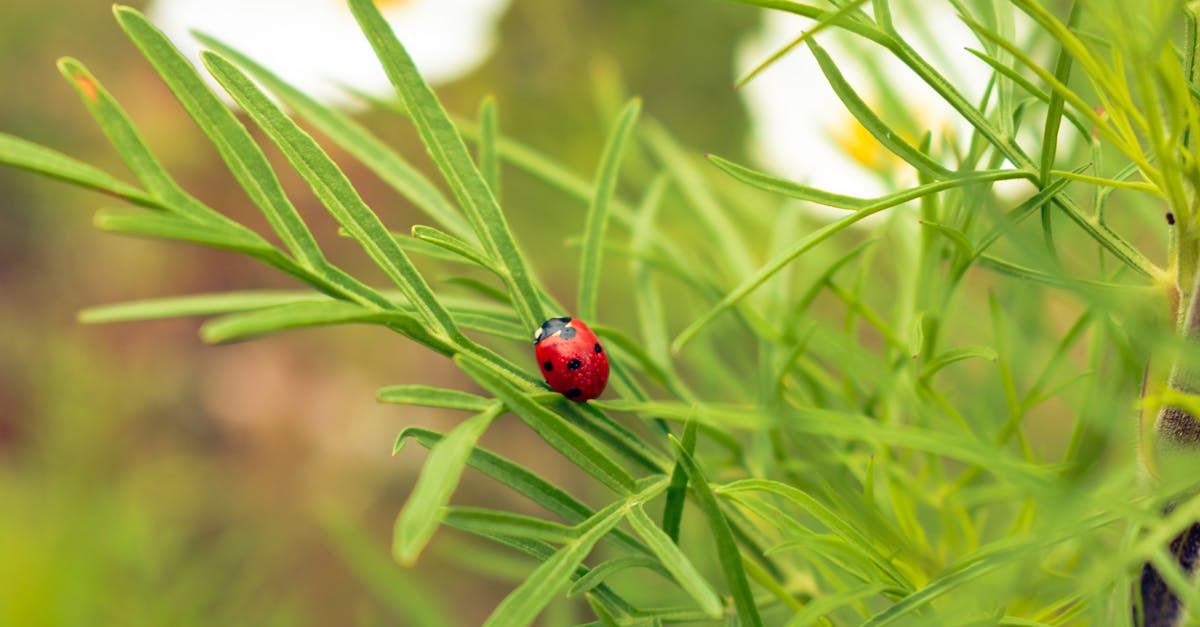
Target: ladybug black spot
574 364
574 392
568 333
548 366
598 349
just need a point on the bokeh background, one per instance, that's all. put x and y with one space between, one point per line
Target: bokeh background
149 479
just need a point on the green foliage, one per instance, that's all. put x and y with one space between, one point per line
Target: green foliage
857 445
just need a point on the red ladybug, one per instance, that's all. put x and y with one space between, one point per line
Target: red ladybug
571 358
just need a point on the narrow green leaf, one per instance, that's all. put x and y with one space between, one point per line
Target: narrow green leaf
450 155
337 194
1054 114
786 187
523 605
439 477
822 24
859 26
482 288
428 396
25 155
597 217
245 159
1028 86
955 355
756 280
676 562
721 229
492 522
523 482
727 549
677 490
960 239
825 605
956 576
499 326
1001 266
878 129
194 305
452 244
552 428
412 245
547 170
608 568
301 315
489 155
824 515
356 140
610 601
647 299
157 225
511 474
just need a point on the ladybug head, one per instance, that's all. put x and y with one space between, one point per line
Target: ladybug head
549 328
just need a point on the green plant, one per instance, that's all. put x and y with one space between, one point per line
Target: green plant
853 445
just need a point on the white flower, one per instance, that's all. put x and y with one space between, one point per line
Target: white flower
803 132
317 46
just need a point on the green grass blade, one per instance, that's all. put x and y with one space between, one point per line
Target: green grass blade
878 129
676 562
356 140
245 159
597 217
492 522
552 428
439 477
489 136
727 549
427 396
25 155
194 305
450 155
337 194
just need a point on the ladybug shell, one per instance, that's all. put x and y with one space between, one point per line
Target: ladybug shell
571 359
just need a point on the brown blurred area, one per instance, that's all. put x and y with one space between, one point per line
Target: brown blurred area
148 478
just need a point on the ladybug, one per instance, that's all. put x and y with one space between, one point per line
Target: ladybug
571 359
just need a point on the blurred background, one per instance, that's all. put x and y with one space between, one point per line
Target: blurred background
149 479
